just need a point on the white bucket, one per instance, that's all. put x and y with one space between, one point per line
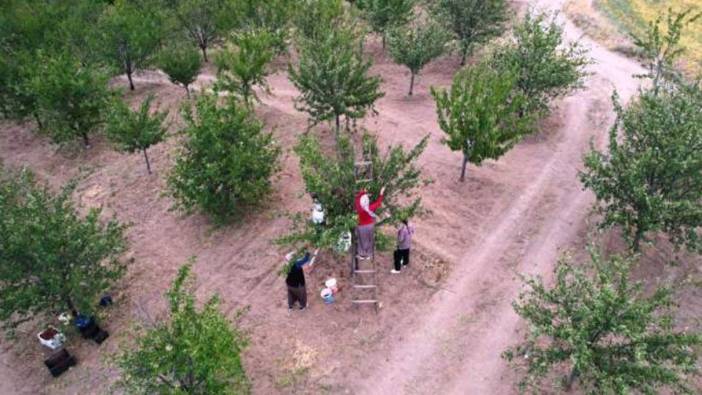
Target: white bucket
331 284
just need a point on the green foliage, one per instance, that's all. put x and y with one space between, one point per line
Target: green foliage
651 178
18 99
330 178
661 50
197 351
383 15
181 63
333 79
473 22
316 18
243 63
272 16
51 258
204 21
546 66
71 99
481 113
227 161
416 46
136 130
603 328
130 35
34 28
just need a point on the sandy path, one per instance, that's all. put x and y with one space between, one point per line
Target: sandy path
456 347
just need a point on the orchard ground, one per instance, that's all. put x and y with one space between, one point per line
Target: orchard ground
443 323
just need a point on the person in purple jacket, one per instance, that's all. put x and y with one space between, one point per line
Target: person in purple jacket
404 243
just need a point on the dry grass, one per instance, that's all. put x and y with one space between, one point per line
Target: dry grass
632 16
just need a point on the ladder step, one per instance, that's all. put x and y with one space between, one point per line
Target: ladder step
364 271
365 286
365 301
364 258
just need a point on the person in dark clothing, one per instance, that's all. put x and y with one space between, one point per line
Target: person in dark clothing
404 243
296 279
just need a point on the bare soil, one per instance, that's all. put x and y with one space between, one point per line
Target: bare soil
443 322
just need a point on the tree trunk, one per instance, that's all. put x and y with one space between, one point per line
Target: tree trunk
187 91
463 168
383 39
203 47
146 158
338 126
411 84
571 379
86 142
464 54
71 306
38 120
129 77
636 244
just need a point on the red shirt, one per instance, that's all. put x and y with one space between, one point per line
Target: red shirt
363 217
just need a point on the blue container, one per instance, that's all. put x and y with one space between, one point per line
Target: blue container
327 296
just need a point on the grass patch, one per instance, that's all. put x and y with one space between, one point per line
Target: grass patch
632 17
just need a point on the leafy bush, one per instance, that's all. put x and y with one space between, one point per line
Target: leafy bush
226 163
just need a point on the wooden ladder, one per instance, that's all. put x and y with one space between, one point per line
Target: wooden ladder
364 280
363 271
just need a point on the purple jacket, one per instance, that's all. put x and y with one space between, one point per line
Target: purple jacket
404 237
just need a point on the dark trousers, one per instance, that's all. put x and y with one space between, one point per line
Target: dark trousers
297 294
401 258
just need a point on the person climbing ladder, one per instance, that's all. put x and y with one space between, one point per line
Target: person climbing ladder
365 231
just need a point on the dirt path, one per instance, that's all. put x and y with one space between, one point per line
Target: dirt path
456 347
510 216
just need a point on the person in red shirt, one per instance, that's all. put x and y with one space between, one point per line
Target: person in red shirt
365 231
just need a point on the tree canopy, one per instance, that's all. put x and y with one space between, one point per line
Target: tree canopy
243 63
226 164
130 35
136 130
472 21
204 22
330 179
333 78
181 63
650 180
598 324
196 351
383 15
71 99
414 46
52 259
481 113
546 66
